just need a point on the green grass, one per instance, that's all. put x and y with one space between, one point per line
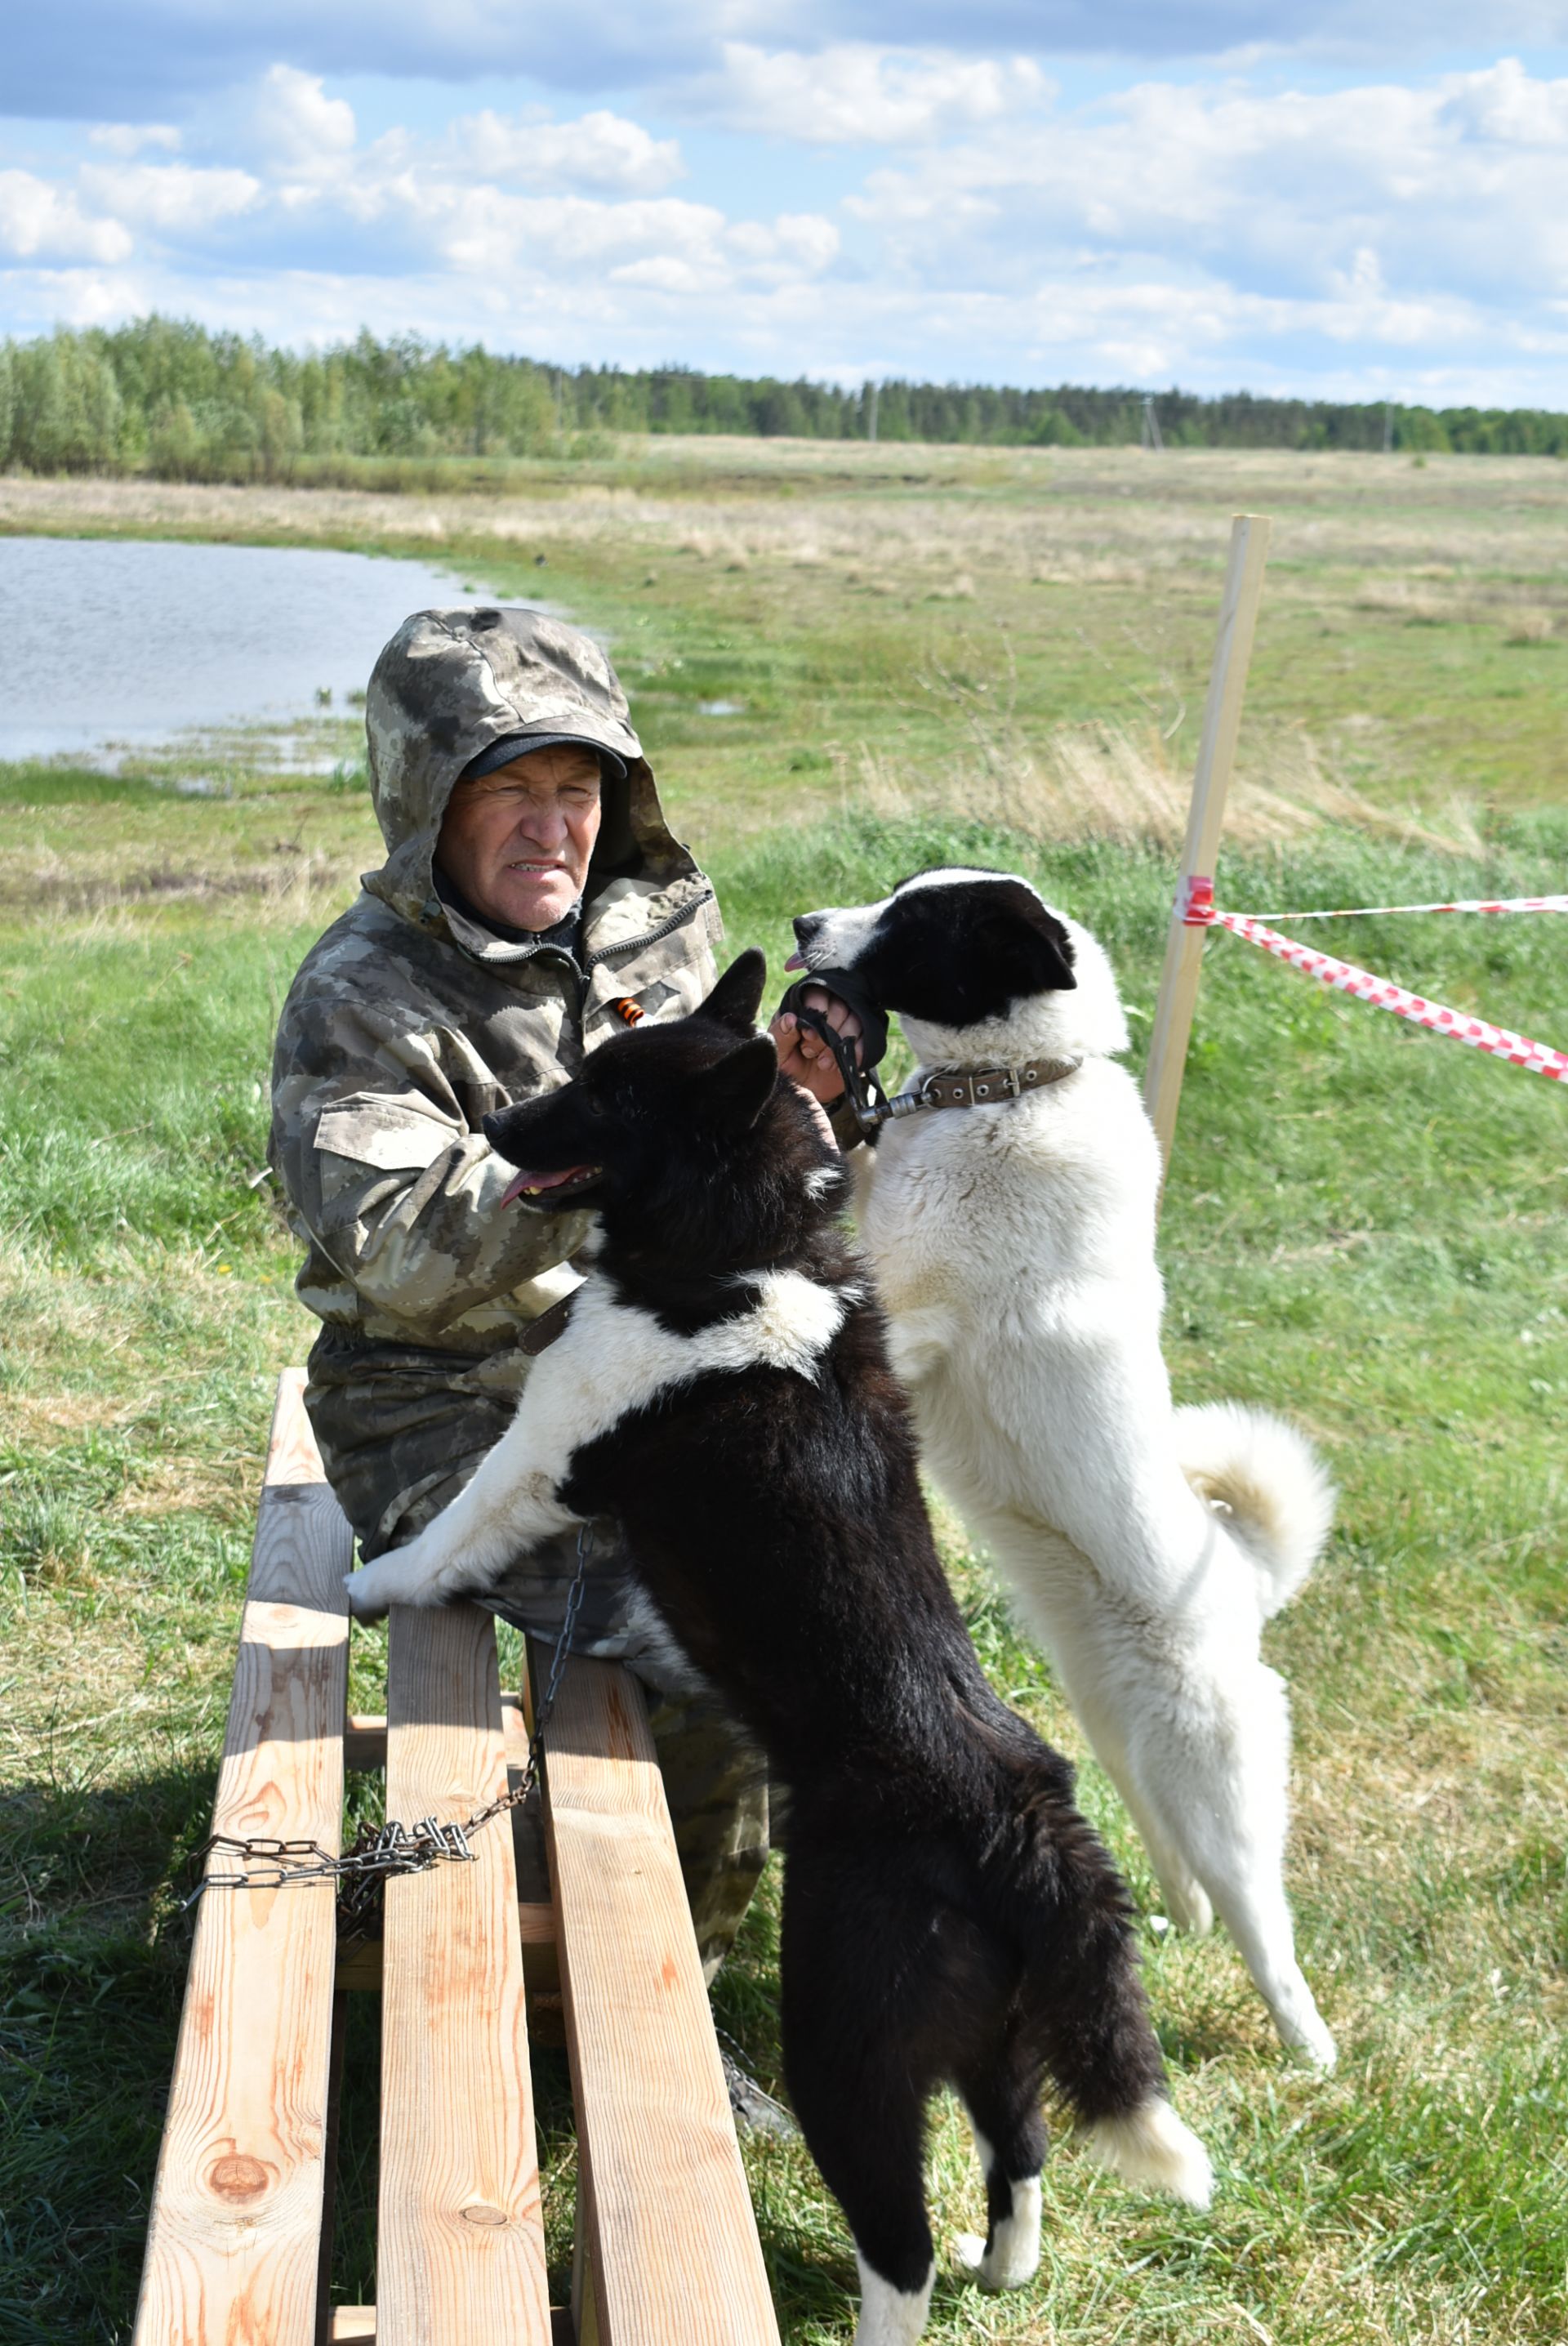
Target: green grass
1362 1227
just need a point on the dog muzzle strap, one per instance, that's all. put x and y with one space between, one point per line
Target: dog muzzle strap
860 1087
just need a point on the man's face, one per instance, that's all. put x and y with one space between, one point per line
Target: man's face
517 841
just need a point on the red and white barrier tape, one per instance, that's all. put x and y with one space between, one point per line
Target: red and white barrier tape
1198 911
1467 904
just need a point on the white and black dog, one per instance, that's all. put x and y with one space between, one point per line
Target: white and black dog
722 1391
1013 1247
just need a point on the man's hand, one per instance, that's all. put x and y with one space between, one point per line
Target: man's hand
804 1057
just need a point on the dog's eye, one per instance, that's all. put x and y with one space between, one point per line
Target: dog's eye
595 1109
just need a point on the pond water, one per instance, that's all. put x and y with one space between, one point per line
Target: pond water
115 641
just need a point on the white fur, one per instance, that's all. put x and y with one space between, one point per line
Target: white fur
1272 1484
612 1359
1155 2151
890 2316
1013 1253
1012 2258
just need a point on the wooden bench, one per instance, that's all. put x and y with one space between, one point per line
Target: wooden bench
240 2233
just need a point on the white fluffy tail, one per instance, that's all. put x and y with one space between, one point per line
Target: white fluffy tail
1155 2151
1271 1482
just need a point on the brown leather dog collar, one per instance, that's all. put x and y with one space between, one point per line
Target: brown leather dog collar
981 1087
552 1323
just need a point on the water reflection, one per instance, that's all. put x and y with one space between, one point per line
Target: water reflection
120 641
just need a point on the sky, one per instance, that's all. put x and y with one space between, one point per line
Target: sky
1314 196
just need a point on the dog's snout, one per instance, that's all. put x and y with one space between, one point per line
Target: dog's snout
489 1125
806 925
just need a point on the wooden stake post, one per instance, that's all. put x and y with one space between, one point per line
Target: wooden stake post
1211 781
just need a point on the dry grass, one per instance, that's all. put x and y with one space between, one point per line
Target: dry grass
1100 779
1070 516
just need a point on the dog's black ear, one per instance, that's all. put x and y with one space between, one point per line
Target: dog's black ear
736 998
733 1092
1028 946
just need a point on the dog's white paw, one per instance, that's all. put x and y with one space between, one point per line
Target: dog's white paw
369 1597
1012 2258
1191 1908
400 1579
1312 2045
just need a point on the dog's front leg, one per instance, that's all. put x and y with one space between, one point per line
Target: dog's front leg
919 1341
509 1508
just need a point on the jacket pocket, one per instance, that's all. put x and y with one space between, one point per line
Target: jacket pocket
394 1133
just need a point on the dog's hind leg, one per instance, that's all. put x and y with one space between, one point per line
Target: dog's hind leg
1254 1911
1049 1579
1187 1901
1002 2101
872 1995
863 2120
1215 1780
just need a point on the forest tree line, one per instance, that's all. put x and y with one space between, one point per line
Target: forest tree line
167 397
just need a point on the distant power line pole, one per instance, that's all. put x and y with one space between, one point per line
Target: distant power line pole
1150 435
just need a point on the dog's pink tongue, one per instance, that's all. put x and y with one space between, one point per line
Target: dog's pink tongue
522 1181
795 962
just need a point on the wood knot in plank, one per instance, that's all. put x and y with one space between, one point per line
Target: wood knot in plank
238 2177
481 2213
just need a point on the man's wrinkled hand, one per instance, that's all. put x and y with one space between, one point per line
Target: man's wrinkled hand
804 1057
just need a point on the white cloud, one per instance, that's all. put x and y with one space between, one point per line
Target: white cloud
296 123
129 138
170 197
1276 193
675 246
1504 105
598 150
854 93
1390 236
41 222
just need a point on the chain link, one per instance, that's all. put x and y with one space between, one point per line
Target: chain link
379 1851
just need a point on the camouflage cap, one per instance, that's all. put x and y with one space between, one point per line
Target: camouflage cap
448 685
513 746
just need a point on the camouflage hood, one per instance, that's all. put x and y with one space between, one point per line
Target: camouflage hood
452 682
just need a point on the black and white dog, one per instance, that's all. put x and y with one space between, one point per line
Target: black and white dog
1012 1244
722 1390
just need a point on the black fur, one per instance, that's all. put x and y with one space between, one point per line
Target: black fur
958 955
948 1914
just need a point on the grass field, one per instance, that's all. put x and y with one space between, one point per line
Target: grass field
936 654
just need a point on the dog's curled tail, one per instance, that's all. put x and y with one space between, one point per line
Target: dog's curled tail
1270 1483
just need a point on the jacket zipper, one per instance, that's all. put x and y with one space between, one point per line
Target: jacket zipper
648 936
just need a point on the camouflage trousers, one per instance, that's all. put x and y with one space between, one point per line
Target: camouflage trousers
400 1430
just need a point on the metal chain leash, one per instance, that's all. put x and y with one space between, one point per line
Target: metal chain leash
379 1851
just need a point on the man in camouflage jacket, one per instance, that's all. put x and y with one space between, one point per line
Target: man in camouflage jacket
411 1020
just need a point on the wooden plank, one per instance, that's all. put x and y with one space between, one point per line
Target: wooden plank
585 2316
234 2226
330 2159
461 2240
360 1965
365 1736
365 1740
356 2325
1178 995
673 2249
